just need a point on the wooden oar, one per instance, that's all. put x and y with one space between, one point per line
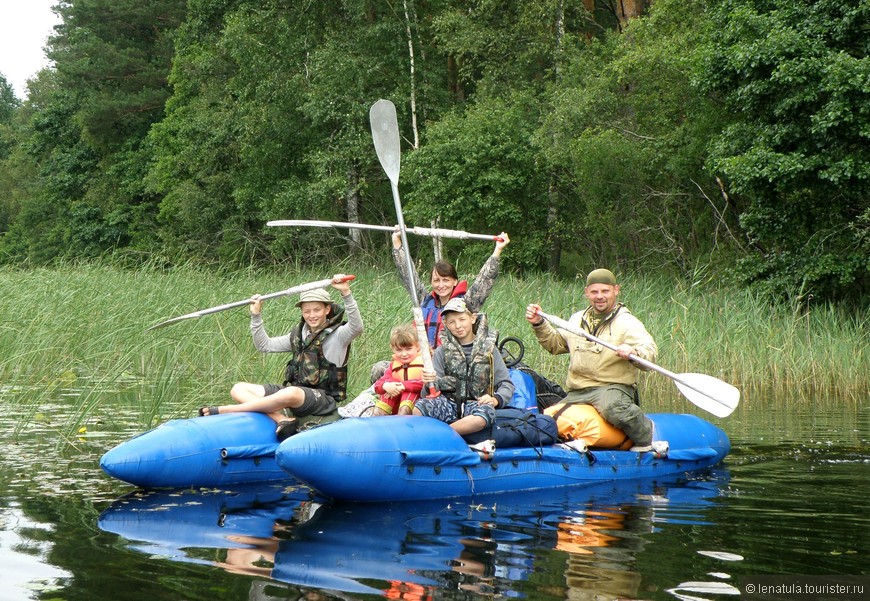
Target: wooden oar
419 231
708 393
385 136
242 303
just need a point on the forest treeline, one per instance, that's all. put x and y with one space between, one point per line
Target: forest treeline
700 138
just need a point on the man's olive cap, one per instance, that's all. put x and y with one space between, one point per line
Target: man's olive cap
601 276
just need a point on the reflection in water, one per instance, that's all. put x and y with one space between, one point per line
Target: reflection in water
175 524
600 554
25 545
688 591
411 550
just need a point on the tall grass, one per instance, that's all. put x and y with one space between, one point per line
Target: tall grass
83 328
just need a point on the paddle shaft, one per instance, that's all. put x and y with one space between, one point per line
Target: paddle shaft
409 264
569 327
287 292
385 136
294 290
419 231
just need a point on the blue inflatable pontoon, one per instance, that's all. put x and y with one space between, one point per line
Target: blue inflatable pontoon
414 458
217 450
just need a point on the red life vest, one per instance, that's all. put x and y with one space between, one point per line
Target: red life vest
400 372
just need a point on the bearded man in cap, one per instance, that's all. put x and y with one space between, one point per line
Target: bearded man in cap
315 378
597 376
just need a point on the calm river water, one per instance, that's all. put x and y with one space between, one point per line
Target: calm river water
791 499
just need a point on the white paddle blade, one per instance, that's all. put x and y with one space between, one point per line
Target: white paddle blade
709 393
385 135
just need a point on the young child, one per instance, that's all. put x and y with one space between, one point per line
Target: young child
469 373
400 386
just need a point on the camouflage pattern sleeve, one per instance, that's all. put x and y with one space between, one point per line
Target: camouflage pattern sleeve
401 266
443 382
483 283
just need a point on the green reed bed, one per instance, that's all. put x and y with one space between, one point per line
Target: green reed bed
793 352
81 331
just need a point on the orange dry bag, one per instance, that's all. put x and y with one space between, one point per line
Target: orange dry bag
582 422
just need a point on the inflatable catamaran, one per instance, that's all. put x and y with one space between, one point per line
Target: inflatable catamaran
412 458
393 458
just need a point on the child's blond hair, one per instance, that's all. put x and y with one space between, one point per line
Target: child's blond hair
403 336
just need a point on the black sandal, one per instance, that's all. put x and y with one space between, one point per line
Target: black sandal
207 411
286 428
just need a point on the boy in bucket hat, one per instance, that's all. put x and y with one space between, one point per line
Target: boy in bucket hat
315 378
598 376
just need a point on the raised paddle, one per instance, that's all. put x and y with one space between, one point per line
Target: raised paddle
385 135
242 303
708 393
420 231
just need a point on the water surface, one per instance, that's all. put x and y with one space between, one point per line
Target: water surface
790 499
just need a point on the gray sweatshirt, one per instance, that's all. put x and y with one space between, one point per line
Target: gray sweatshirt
335 345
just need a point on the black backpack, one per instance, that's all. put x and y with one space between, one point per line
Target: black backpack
518 428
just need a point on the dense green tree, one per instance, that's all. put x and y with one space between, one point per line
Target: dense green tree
626 135
50 150
598 160
116 55
503 58
8 101
477 172
269 120
8 105
88 118
667 138
795 77
198 135
234 128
